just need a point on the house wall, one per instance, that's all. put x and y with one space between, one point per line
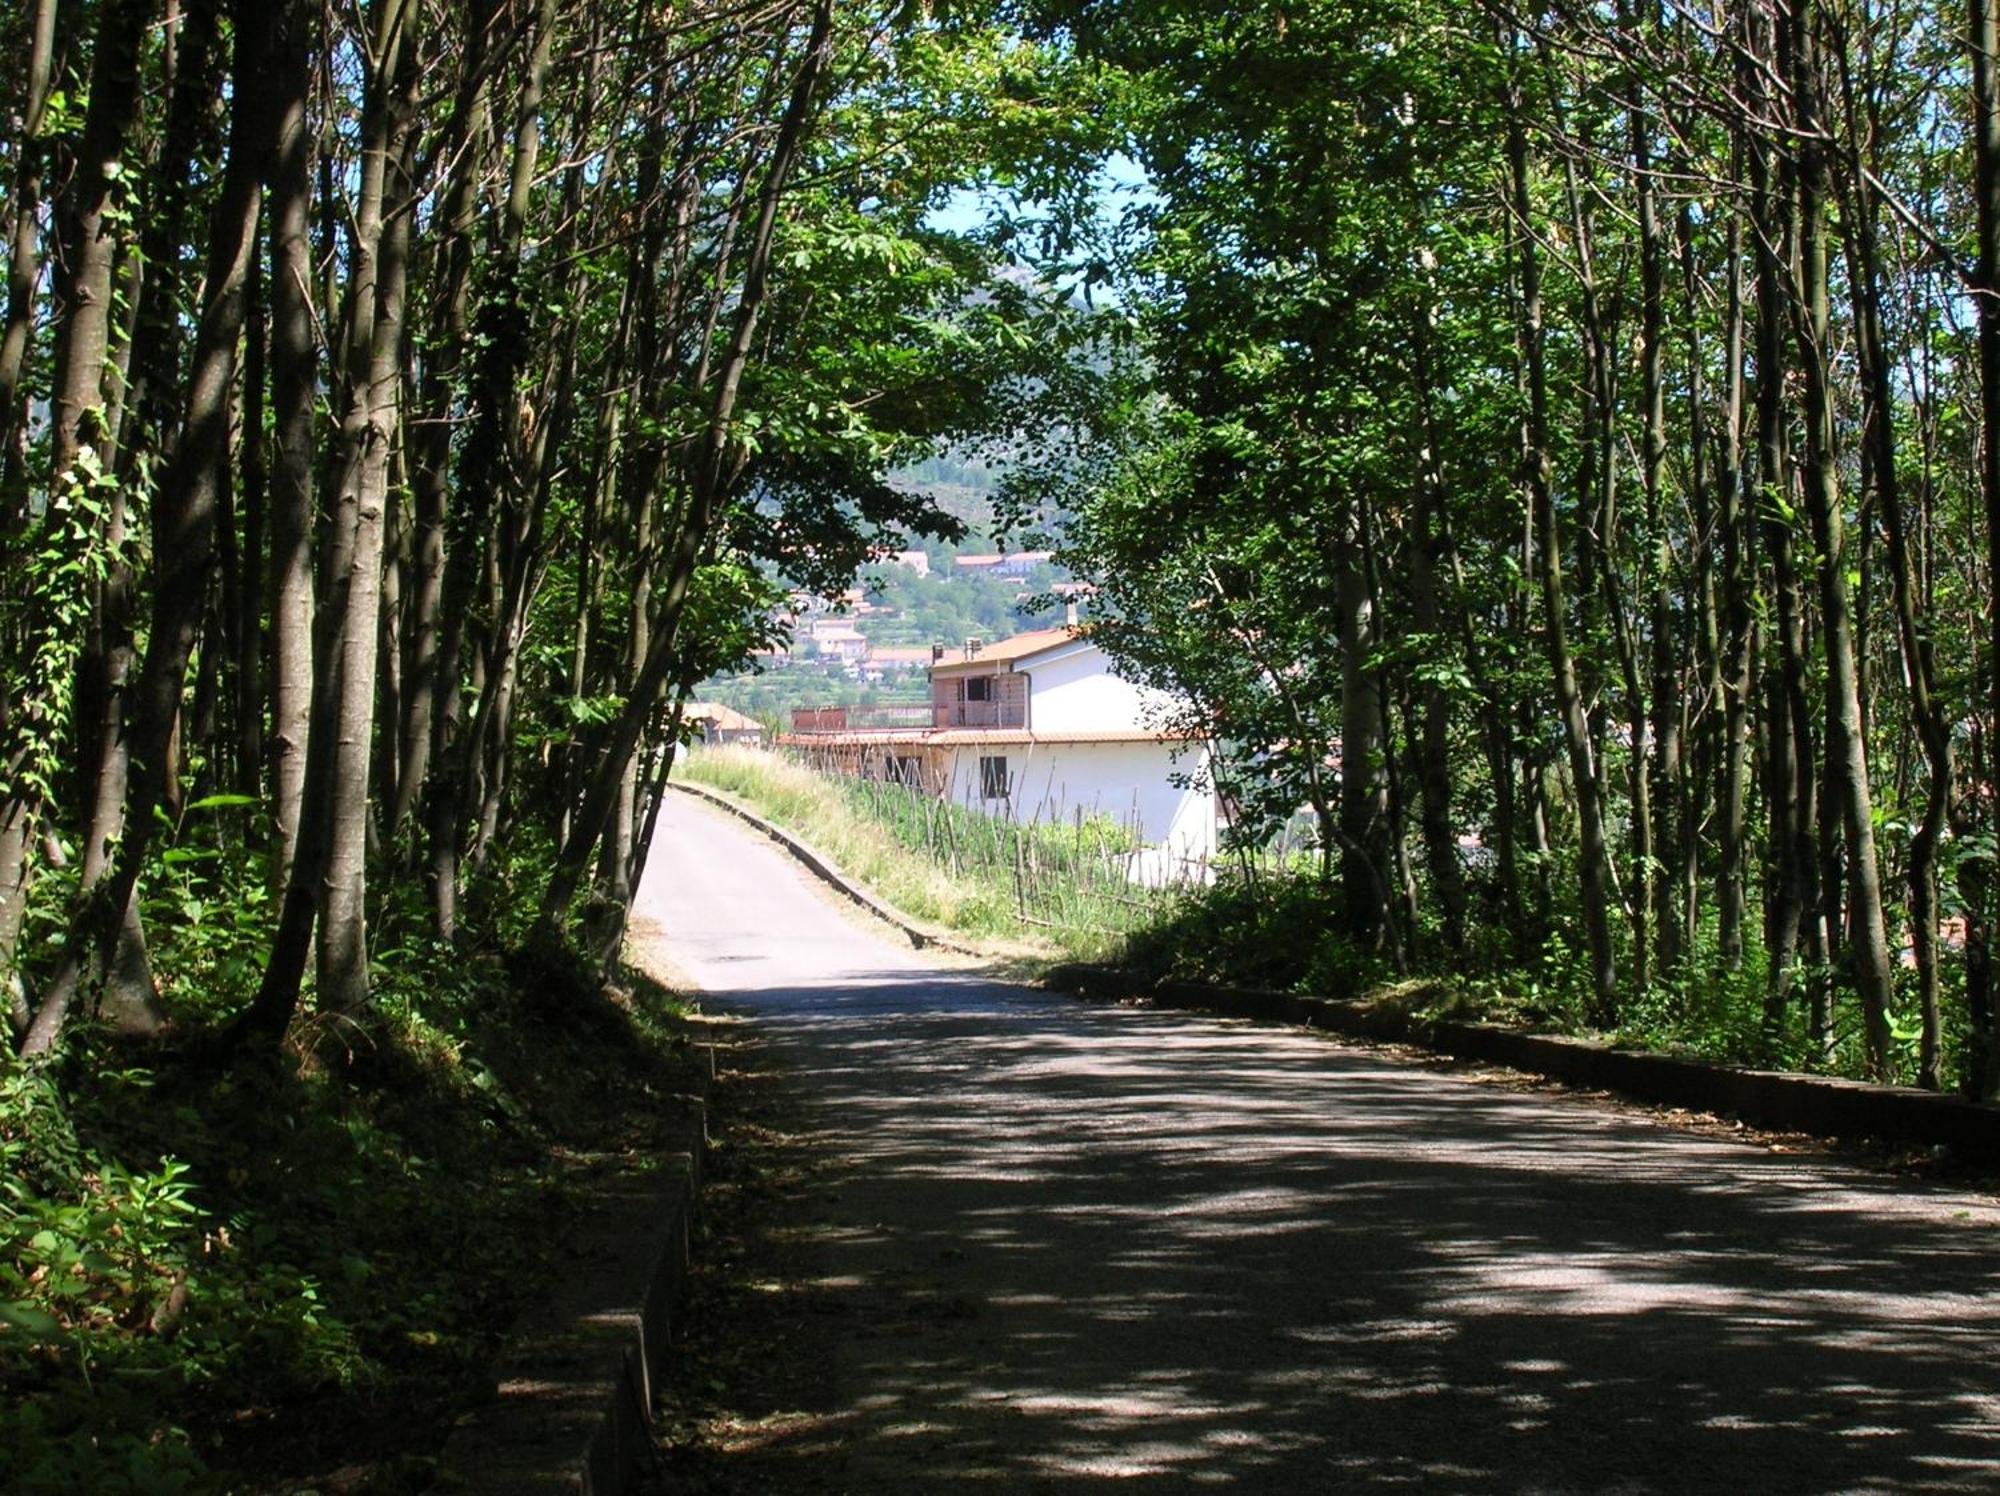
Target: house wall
1006 704
1126 781
1075 691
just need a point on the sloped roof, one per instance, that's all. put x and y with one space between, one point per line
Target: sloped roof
725 718
899 654
1007 651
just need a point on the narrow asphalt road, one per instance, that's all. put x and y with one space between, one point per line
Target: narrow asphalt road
1087 1245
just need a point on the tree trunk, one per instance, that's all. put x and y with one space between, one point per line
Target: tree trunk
347 712
1791 876
1536 477
184 517
294 385
1364 863
1738 686
17 832
88 225
244 605
1667 694
1847 747
24 248
1986 155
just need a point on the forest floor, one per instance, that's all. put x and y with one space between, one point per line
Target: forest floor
358 1266
581 1098
966 1234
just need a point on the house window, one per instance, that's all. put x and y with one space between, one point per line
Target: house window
992 777
906 769
979 688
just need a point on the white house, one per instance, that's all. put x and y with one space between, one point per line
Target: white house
1039 727
835 639
1010 564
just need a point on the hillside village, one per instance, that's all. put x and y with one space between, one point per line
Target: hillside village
874 641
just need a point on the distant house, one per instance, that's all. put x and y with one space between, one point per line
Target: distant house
716 723
1013 564
915 561
835 639
894 659
1039 727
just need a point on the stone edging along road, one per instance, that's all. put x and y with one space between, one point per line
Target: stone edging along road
1780 1100
920 934
1776 1099
1769 1099
573 1409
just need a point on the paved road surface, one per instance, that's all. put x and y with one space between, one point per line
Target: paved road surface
1093 1245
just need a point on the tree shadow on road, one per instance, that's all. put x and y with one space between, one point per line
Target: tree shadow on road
1007 1243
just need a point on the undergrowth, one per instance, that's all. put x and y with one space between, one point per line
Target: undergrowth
223 1273
1287 933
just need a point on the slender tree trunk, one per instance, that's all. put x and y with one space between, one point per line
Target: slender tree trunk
294 386
246 612
1364 875
1595 855
1667 695
88 226
1738 685
184 520
24 248
1847 747
367 430
17 833
1986 155
1790 879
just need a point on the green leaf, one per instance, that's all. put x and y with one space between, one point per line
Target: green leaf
31 1321
216 802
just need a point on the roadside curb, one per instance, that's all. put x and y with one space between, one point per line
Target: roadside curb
1781 1100
920 935
573 1409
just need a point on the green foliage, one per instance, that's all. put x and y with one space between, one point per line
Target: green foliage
45 608
1282 933
194 1255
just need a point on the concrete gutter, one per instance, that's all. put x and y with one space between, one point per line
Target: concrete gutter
573 1409
1776 1099
920 935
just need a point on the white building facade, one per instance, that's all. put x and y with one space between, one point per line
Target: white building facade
1037 728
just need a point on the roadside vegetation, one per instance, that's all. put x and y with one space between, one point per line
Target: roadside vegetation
1062 889
1266 920
1561 451
294 1270
1567 463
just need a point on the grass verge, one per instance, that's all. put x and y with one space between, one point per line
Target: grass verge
974 902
